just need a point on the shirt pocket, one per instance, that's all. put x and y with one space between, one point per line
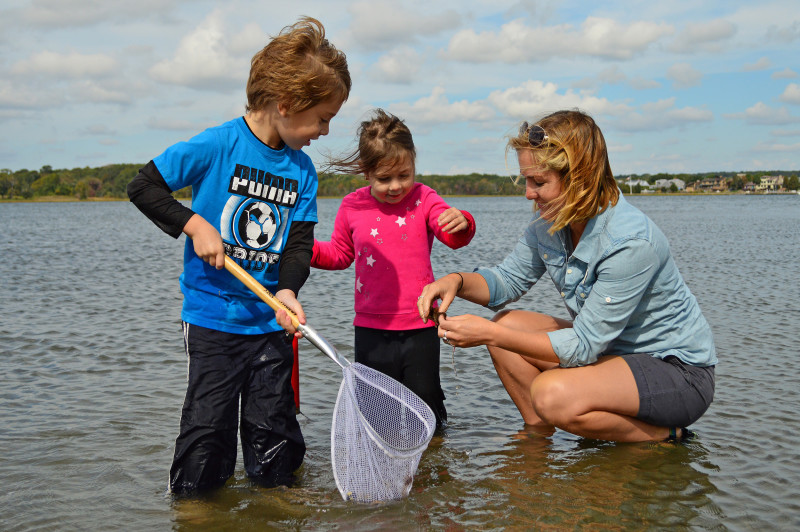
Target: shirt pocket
554 262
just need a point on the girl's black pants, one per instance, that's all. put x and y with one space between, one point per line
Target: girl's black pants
409 357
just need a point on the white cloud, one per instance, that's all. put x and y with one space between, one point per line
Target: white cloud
203 59
14 99
786 73
533 99
762 114
661 115
74 13
177 124
382 24
65 66
96 93
620 148
705 36
99 129
784 34
248 40
401 65
596 37
791 94
436 108
762 64
639 84
613 75
684 75
769 147
786 133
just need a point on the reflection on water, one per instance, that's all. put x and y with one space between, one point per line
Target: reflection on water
94 375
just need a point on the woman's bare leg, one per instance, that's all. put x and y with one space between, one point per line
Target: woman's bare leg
595 401
516 373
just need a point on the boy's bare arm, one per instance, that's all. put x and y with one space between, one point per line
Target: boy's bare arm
206 240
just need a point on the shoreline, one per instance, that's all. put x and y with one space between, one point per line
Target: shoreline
59 199
70 199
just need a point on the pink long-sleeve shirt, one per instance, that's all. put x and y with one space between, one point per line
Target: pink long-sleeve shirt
391 248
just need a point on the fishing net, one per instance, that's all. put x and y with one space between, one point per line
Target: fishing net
380 430
380 427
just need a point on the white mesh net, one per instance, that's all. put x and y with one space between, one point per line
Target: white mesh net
380 429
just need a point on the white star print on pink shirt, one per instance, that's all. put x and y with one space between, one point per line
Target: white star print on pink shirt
392 268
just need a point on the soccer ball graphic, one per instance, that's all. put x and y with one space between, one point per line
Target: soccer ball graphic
257 225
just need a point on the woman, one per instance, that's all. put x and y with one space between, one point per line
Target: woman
636 362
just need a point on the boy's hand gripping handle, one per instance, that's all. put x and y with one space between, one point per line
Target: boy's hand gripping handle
267 297
258 289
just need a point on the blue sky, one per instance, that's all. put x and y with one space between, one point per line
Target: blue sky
680 86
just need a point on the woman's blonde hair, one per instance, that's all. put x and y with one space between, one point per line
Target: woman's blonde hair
383 139
298 68
573 147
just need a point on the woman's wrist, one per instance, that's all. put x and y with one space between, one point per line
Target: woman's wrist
460 282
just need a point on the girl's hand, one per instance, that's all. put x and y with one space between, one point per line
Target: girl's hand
466 330
444 289
452 221
206 240
288 298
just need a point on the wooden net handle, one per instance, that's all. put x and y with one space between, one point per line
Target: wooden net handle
258 289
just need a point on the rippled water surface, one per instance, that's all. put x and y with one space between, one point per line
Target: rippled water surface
94 374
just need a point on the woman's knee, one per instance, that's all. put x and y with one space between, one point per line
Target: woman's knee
550 397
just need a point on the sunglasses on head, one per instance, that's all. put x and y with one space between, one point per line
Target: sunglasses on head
536 135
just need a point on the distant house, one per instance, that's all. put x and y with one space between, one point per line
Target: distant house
770 183
711 184
749 187
624 183
667 183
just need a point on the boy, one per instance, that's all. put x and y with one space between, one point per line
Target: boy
254 199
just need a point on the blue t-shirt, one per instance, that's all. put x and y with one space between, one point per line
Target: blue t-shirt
252 194
621 286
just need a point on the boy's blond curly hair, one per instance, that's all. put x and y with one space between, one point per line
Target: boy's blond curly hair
299 68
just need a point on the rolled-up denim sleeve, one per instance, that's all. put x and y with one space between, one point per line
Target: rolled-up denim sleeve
519 271
622 280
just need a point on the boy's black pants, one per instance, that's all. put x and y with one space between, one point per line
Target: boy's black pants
222 368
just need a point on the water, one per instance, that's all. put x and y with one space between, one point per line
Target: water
94 375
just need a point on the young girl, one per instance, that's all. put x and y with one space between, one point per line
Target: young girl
254 199
387 228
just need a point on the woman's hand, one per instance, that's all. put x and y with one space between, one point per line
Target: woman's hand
452 221
466 330
288 298
445 289
206 240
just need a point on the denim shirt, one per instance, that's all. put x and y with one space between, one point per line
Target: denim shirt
620 285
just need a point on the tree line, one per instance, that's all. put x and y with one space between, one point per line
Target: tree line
110 182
